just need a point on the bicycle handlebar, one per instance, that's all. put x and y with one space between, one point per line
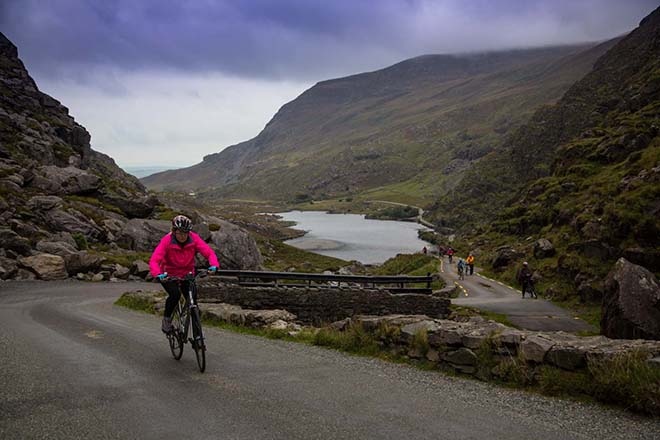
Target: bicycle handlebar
188 277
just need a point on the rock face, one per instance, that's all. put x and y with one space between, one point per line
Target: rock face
58 197
235 248
50 179
631 305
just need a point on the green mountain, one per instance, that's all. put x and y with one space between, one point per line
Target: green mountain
583 173
407 131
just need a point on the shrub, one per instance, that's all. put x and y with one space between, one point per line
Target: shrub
556 382
354 340
628 379
420 342
81 240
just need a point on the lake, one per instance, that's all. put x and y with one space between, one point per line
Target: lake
352 237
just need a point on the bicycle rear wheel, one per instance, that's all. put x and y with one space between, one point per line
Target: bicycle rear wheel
175 337
198 340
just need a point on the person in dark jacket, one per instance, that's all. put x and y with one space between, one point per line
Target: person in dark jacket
524 277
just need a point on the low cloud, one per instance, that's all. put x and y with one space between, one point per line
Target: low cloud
168 81
174 119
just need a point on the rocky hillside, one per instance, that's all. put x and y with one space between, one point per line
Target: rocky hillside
67 210
582 175
411 129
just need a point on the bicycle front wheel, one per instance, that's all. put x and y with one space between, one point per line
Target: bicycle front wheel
175 337
198 340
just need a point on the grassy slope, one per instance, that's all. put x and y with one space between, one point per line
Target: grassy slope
394 131
583 170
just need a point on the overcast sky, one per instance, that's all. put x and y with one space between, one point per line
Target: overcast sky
165 82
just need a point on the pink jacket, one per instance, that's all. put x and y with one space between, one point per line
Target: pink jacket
179 259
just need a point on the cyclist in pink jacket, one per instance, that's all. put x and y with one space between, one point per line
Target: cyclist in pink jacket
175 256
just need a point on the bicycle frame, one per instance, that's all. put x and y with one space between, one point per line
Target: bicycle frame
187 303
189 318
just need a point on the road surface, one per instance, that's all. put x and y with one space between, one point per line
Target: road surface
74 365
530 314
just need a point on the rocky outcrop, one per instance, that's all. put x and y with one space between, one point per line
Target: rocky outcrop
235 248
631 305
52 184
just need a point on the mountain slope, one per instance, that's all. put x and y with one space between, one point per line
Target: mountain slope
583 173
424 120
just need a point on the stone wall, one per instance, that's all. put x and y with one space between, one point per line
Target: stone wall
319 305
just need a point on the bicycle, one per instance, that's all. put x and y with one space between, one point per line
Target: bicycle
531 289
186 316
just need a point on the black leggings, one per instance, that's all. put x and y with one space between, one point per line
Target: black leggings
174 290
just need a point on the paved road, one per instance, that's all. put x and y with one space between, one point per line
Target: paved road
531 314
73 365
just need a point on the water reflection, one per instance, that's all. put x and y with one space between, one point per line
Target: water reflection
352 237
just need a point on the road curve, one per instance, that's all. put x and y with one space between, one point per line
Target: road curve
73 365
530 314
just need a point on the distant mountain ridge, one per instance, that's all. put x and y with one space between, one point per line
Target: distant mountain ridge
424 120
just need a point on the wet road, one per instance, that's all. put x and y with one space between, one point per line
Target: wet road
531 314
74 365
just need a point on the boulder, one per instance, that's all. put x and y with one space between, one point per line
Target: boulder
631 303
121 272
409 331
462 356
82 262
140 268
8 268
505 255
543 248
44 203
567 357
68 180
25 229
46 266
239 316
132 206
142 235
12 241
535 347
235 248
56 248
73 222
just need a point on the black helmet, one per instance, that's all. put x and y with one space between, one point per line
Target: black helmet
182 223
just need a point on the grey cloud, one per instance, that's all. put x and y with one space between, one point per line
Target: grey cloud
299 39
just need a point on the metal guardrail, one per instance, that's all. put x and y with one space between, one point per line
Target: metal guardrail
393 283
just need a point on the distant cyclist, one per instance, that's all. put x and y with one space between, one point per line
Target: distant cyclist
462 268
525 279
450 254
175 256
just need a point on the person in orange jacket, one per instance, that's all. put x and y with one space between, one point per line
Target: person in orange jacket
470 262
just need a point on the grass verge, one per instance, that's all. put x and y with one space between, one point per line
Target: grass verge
626 380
